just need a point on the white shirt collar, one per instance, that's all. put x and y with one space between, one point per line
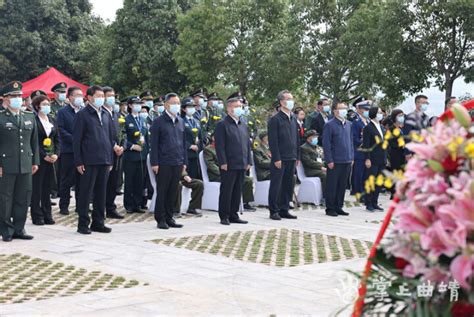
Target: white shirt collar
173 118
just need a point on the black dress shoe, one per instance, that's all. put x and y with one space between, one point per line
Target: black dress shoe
287 215
172 224
113 214
64 212
238 220
369 208
275 216
102 229
7 238
342 213
377 207
84 230
331 213
249 208
163 225
135 211
225 222
22 236
194 212
49 222
38 222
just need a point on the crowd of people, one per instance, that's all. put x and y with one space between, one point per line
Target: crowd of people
97 145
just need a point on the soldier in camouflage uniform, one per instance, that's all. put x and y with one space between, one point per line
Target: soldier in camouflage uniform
312 158
60 98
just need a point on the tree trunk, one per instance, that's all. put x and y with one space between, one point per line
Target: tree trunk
449 89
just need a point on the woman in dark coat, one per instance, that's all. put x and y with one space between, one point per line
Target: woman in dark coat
48 148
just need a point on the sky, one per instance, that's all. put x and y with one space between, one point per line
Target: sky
106 10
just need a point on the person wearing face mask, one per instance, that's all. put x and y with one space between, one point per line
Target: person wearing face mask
359 171
232 145
34 94
312 158
19 160
396 153
376 158
418 119
284 143
157 110
168 159
213 106
93 142
112 108
60 98
320 117
43 179
339 156
193 136
134 158
262 157
200 102
68 174
300 119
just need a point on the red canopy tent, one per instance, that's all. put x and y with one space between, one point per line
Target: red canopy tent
47 80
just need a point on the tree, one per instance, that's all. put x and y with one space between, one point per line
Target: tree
138 53
39 34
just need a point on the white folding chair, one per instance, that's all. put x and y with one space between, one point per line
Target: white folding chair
151 174
210 197
261 188
310 189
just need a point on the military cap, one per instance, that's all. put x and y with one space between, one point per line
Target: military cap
262 134
12 88
199 92
361 102
124 100
234 97
159 99
146 95
213 96
133 99
187 102
37 93
309 133
59 87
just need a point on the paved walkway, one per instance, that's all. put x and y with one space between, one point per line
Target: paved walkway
178 281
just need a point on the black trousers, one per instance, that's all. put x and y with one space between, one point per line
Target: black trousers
193 168
372 199
15 195
41 196
112 183
69 178
358 177
134 178
120 174
281 187
336 186
167 181
93 184
230 193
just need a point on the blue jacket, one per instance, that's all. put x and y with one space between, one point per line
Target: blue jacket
92 139
131 127
283 137
357 128
232 144
337 142
168 144
64 121
191 137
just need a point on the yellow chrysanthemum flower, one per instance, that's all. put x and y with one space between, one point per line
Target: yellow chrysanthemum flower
385 144
469 149
379 181
250 123
401 142
195 130
258 121
357 196
377 139
47 142
215 118
396 132
203 120
121 120
388 183
388 135
136 134
255 144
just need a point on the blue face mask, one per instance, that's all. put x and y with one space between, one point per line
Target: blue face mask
110 101
314 141
144 115
136 108
215 103
238 112
343 113
401 119
174 108
116 108
160 109
366 114
379 117
149 103
220 106
201 102
78 102
99 102
15 103
204 105
327 109
45 110
62 97
424 107
290 104
190 111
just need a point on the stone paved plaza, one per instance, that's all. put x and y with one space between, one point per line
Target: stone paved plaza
288 267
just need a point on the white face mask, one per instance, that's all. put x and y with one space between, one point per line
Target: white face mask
190 111
174 108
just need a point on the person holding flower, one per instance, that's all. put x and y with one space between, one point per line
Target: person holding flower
134 158
48 149
373 141
192 129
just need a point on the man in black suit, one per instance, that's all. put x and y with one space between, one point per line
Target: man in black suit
112 181
233 154
376 159
93 145
321 118
168 159
284 141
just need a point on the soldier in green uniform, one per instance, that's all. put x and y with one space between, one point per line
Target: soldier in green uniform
197 190
60 97
157 109
312 158
19 159
262 157
210 157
